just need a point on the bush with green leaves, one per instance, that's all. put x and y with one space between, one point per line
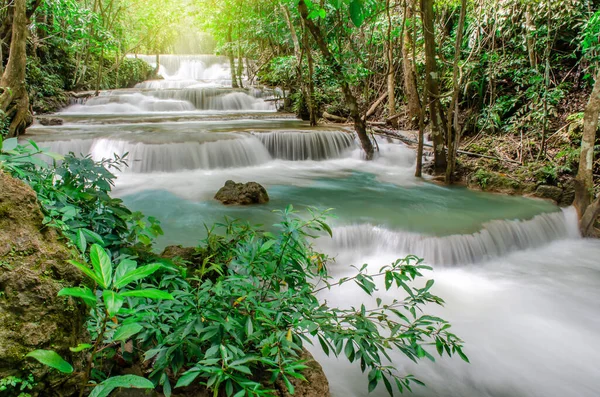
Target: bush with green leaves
74 195
245 330
116 290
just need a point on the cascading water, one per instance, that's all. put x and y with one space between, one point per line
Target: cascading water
496 238
320 145
190 83
521 287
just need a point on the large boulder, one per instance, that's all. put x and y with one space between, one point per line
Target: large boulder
242 193
33 268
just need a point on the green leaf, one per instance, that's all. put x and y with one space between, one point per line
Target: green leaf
125 381
101 264
92 236
126 331
9 144
80 347
126 266
51 359
357 12
148 293
187 378
81 241
113 302
83 293
137 274
249 327
87 271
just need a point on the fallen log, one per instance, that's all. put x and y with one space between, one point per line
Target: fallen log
405 139
333 117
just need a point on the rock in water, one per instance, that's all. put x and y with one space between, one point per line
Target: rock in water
33 268
242 193
50 122
549 192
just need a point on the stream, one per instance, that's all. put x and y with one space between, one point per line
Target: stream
522 288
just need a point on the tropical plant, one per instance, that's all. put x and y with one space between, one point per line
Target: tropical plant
115 290
241 332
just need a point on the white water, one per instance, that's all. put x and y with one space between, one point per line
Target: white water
496 238
521 287
190 84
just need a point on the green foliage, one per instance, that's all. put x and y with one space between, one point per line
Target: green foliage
482 178
256 317
124 381
78 201
16 386
115 290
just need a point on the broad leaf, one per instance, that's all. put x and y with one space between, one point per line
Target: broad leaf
148 293
84 293
126 266
113 302
357 12
187 378
51 359
87 271
125 381
102 265
137 274
127 331
9 144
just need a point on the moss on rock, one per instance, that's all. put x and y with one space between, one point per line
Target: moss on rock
33 268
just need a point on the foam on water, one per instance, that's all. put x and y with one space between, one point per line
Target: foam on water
495 239
529 320
128 103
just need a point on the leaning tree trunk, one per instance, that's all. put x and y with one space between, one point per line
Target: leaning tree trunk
14 100
360 125
584 181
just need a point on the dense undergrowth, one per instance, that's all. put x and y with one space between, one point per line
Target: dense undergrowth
237 323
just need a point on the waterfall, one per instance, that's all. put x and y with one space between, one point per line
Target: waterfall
318 145
495 239
216 98
145 157
128 103
191 67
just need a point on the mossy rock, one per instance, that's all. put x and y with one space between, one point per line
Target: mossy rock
33 268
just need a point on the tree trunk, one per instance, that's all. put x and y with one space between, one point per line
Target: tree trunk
157 68
360 124
452 121
14 100
410 77
391 72
311 86
240 68
529 40
433 92
584 181
234 83
100 69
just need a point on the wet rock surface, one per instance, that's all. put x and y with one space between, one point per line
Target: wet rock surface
242 193
33 268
